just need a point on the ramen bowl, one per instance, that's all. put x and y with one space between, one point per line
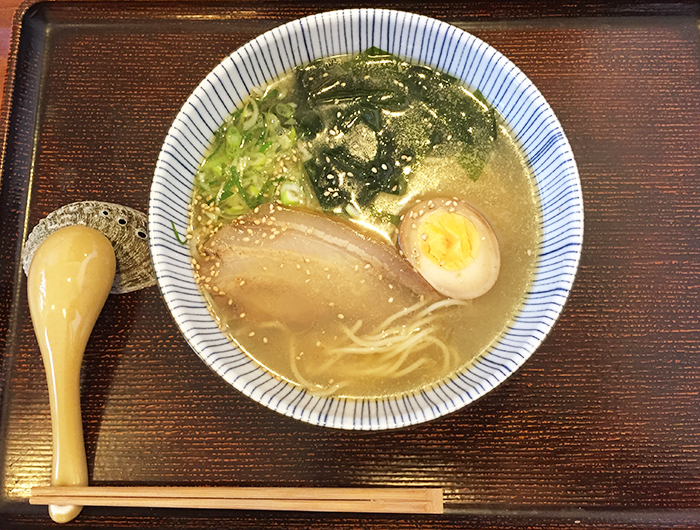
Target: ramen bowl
416 39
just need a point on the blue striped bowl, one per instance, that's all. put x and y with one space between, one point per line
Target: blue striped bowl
418 39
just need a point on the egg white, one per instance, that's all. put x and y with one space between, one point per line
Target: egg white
472 281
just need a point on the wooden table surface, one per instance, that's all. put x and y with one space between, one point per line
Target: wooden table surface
599 429
7 11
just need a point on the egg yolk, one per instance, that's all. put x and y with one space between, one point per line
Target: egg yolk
449 240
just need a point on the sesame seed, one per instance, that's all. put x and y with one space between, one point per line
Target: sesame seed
341 316
242 315
251 334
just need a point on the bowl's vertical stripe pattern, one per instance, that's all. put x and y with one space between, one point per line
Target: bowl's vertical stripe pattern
418 39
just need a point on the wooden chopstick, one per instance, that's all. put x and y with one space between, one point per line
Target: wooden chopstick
368 500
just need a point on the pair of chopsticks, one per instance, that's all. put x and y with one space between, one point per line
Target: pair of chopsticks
359 500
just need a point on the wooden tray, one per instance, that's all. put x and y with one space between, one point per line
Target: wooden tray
601 428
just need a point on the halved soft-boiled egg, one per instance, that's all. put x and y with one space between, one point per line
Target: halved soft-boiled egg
452 246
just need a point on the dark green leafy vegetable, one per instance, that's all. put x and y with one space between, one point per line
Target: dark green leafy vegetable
342 131
404 112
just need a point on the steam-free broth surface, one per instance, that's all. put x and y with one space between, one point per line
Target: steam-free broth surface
317 290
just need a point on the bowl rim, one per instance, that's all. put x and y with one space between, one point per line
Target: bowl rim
439 45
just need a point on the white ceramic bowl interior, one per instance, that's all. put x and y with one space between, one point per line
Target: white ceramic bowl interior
417 39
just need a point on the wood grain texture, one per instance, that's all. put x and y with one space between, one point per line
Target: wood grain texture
602 424
274 498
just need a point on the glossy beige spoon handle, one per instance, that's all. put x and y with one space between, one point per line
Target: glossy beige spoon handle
68 282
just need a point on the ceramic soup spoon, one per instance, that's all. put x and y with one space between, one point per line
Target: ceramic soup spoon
70 272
